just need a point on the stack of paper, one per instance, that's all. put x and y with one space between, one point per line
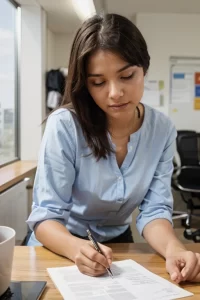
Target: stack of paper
131 281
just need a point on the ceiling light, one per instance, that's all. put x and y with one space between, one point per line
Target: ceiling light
84 8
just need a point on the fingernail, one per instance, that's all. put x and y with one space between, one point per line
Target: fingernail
174 276
184 273
182 265
109 261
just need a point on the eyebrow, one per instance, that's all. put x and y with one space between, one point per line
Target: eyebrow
120 70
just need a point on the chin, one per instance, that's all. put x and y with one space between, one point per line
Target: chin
119 115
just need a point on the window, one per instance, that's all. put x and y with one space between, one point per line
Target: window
8 82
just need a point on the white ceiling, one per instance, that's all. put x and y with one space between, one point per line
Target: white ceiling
130 7
62 17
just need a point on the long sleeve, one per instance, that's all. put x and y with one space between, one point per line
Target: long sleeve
55 173
158 202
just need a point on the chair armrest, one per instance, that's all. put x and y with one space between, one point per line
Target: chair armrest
180 187
177 170
176 182
187 167
190 167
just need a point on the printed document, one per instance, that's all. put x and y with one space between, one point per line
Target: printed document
131 281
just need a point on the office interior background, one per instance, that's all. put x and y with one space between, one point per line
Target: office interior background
36 37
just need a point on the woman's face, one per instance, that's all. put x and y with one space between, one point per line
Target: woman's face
115 85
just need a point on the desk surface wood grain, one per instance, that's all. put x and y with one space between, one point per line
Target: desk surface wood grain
15 172
30 263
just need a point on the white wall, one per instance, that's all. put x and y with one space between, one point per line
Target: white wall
50 50
32 71
171 35
63 43
58 49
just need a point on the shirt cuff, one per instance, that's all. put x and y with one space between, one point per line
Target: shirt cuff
40 214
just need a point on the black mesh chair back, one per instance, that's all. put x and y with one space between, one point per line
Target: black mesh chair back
188 148
180 133
187 180
189 152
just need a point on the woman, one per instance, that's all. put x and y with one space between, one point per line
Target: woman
104 153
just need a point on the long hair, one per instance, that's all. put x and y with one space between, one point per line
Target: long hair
110 32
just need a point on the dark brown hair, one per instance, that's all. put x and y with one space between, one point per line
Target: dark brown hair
110 32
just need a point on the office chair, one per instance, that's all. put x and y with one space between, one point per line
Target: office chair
186 179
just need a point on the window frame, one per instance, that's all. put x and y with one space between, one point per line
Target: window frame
17 40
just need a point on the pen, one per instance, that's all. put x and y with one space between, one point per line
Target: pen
96 246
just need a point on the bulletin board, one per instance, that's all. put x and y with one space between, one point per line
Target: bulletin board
185 93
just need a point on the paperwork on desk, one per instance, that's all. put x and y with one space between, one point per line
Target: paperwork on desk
131 282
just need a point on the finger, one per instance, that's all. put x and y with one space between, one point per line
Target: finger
194 273
89 251
197 268
84 260
197 278
107 251
91 272
190 264
173 270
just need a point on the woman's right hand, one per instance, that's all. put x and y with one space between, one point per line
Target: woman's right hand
91 262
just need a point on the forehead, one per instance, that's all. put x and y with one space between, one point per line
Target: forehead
101 60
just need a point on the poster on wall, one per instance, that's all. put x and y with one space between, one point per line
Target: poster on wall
182 87
184 105
185 80
153 93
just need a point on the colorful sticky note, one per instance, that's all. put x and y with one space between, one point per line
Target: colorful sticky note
197 78
161 84
197 91
197 103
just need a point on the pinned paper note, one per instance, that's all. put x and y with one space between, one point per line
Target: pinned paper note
182 87
153 93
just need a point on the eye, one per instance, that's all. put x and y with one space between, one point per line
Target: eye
128 77
98 84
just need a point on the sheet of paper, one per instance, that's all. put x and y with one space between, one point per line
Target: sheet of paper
152 93
182 87
131 282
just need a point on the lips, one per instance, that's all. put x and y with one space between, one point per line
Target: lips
118 105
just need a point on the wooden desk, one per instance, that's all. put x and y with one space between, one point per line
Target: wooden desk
30 263
15 172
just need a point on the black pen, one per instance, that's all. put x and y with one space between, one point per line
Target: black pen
96 246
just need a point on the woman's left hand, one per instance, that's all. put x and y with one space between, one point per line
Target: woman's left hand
183 265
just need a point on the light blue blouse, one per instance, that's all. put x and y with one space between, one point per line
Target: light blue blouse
76 190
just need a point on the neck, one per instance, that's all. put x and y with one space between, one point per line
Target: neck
120 128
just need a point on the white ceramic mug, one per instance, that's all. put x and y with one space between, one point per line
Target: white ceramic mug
7 244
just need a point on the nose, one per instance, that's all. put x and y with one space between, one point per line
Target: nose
115 91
